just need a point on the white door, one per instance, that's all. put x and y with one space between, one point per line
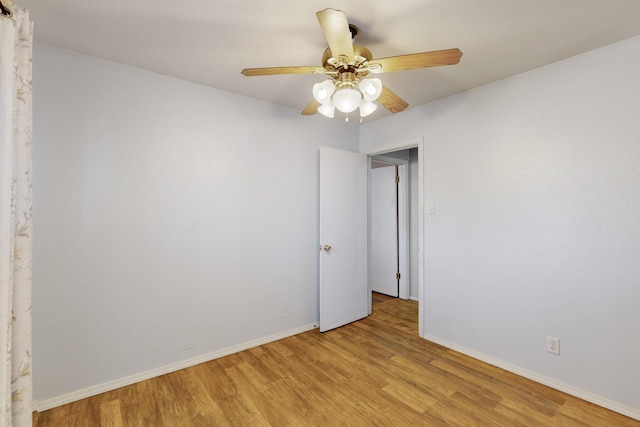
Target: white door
343 238
384 230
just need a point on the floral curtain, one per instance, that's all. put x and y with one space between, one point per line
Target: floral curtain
16 35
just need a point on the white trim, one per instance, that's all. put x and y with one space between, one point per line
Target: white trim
413 298
405 251
421 240
369 296
550 382
132 379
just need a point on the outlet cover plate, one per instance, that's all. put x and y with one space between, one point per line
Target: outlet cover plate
553 345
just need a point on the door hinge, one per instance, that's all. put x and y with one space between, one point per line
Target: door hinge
398 276
397 179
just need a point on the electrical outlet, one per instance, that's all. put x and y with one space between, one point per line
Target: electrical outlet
553 345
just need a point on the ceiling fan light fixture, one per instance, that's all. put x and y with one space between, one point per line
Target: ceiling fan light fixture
322 91
370 88
347 99
346 65
327 109
367 107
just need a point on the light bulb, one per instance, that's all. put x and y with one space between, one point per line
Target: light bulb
347 100
370 88
327 109
322 91
367 107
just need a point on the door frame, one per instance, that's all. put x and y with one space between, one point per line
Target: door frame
397 146
402 200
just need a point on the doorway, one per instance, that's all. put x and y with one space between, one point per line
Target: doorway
344 262
408 228
388 216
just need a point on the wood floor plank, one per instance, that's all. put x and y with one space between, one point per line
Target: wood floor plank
214 379
172 407
110 415
523 413
139 407
374 372
579 412
499 385
207 410
415 399
252 388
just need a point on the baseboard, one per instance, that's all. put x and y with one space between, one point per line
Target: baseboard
413 298
550 382
132 379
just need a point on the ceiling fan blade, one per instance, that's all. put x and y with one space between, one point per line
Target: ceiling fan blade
412 61
336 30
281 70
311 108
391 101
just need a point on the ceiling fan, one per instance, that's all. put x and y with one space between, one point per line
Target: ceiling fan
349 85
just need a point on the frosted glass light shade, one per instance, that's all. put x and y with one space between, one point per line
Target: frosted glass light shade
367 107
370 88
347 100
322 91
327 109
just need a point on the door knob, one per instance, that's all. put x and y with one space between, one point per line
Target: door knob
326 248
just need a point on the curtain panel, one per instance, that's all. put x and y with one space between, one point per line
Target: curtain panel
16 41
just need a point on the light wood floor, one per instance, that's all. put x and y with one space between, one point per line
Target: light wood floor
378 298
375 372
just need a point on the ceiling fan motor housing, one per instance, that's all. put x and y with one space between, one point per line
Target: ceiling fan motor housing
335 67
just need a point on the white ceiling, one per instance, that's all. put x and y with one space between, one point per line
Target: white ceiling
210 41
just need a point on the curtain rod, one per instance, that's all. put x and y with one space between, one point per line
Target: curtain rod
5 10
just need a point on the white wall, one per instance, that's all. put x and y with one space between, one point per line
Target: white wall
171 220
536 186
